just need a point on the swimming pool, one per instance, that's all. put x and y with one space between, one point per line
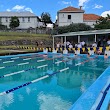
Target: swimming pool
35 82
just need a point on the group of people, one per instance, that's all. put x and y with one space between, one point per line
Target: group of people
101 43
70 45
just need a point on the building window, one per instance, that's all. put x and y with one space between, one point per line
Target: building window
23 20
6 19
63 16
69 17
28 19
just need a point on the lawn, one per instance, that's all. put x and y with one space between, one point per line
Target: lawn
5 36
22 35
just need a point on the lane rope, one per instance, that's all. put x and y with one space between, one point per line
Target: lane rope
31 82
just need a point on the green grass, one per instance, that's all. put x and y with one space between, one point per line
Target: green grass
22 35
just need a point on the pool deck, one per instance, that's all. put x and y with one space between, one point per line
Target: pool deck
92 98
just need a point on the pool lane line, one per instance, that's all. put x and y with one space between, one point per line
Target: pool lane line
15 58
85 61
9 61
23 63
10 74
27 56
46 59
22 71
31 82
27 59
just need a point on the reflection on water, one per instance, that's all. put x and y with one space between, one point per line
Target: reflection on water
52 102
57 92
6 100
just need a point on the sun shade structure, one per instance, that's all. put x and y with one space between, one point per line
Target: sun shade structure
80 33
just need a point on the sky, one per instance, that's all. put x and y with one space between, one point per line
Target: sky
99 7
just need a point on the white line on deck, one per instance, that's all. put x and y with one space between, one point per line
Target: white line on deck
23 63
8 61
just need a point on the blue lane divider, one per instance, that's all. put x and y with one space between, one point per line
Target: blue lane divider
10 74
22 71
103 97
28 83
27 63
28 56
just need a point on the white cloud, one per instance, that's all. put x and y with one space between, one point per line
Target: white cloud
29 9
65 3
104 14
82 2
8 10
20 8
98 6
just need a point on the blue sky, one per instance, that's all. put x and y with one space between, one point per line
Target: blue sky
100 7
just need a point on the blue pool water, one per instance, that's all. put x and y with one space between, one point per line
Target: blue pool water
57 92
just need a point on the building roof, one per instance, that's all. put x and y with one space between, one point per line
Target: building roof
90 17
71 9
103 31
18 14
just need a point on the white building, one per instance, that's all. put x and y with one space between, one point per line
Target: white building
27 19
70 15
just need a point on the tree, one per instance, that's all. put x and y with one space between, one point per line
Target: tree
14 22
46 18
103 23
74 27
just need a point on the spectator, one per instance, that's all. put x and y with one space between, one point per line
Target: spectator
41 43
79 45
82 43
99 43
58 45
94 44
108 42
70 46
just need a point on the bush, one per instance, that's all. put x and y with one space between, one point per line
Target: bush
71 28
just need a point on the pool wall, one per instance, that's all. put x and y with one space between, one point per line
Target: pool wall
87 101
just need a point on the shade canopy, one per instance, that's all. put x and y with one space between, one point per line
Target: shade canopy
103 31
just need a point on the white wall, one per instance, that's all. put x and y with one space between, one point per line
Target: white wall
91 23
75 18
23 25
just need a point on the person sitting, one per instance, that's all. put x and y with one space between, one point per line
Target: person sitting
105 56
